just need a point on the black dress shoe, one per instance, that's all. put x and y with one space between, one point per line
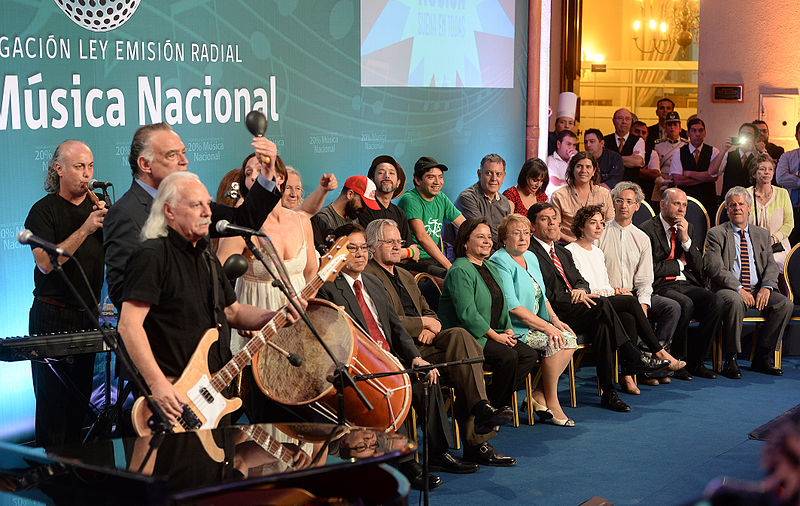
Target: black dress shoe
449 463
701 371
489 417
731 369
682 374
765 367
485 455
414 473
644 364
610 400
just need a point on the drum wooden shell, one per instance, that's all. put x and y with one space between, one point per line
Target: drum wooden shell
390 396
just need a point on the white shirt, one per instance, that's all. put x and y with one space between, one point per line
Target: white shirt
686 245
675 165
592 266
367 299
556 166
638 148
629 259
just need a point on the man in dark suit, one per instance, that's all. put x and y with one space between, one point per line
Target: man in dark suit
475 415
677 269
739 263
586 313
156 152
362 297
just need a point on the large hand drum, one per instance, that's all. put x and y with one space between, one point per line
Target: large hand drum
286 384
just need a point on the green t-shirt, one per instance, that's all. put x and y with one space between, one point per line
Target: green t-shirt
433 214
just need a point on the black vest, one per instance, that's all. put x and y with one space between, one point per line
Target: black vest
706 192
735 173
627 147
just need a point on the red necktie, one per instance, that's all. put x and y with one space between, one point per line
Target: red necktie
673 239
557 263
372 325
745 259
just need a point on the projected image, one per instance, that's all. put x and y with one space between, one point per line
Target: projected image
437 43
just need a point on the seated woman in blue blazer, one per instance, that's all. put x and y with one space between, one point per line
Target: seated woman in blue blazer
532 318
472 298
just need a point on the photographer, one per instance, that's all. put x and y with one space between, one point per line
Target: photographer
738 151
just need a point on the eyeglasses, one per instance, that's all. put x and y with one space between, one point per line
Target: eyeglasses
353 248
363 447
518 233
394 242
627 202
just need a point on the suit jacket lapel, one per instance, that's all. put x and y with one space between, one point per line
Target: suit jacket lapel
406 281
349 298
661 235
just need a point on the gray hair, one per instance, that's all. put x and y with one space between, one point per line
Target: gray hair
628 185
168 192
738 190
494 157
374 231
52 182
140 145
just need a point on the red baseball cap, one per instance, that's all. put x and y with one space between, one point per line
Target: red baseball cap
365 188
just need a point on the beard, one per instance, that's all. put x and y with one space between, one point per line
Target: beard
387 187
351 211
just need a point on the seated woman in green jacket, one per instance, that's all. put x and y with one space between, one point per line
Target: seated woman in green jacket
532 318
472 298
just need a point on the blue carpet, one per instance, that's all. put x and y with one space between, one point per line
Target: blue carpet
674 441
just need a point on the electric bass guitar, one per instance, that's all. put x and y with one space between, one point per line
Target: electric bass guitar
206 404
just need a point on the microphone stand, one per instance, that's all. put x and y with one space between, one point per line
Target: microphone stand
423 371
340 378
160 422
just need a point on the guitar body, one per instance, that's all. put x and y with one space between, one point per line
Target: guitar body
206 405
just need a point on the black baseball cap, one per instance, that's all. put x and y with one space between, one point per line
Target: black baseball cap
426 163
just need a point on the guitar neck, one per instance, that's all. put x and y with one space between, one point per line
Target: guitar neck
224 376
269 444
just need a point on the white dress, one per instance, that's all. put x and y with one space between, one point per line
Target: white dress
255 287
592 266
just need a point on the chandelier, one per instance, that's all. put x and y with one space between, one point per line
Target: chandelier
665 25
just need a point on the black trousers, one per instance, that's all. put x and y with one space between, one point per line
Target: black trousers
634 321
509 365
604 329
698 303
60 411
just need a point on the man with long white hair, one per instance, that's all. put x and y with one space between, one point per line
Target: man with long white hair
174 290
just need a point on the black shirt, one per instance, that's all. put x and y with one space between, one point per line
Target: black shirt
391 213
494 291
409 309
175 278
53 218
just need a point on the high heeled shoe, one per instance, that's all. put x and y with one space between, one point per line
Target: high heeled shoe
542 411
566 422
676 364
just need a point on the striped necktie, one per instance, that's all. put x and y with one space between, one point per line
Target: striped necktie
372 325
745 259
558 265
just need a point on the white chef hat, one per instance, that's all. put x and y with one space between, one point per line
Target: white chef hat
567 103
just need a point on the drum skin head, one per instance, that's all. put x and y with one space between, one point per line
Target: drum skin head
307 383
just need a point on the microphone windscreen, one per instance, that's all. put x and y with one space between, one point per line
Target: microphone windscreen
235 266
221 226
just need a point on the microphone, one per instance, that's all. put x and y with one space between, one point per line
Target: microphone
235 266
224 227
26 237
94 184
